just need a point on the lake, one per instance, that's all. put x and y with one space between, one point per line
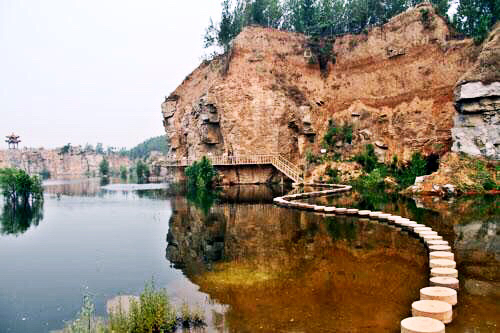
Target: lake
251 265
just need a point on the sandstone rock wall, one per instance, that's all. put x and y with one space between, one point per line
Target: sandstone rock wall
476 129
74 164
394 84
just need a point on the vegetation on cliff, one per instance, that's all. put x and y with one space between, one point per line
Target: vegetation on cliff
473 18
142 150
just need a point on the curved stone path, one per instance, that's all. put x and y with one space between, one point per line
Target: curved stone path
434 309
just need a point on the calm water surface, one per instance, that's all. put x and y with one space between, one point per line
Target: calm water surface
254 267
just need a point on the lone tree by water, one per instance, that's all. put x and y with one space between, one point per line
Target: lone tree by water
18 187
104 168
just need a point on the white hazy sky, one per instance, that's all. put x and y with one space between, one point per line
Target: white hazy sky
92 71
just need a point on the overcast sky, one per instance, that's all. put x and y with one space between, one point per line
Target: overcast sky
92 71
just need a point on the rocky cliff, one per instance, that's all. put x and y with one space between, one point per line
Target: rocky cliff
76 163
476 129
394 84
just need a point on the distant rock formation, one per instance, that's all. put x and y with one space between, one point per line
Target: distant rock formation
75 163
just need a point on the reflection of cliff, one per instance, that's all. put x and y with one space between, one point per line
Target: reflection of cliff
285 270
75 163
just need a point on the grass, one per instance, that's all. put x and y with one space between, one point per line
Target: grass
152 313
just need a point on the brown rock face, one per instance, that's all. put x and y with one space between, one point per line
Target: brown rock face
74 164
394 85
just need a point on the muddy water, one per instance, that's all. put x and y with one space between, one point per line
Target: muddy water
254 267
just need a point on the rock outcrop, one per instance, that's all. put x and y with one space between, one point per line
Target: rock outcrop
394 85
476 129
74 164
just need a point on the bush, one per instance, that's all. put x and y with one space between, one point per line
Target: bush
416 167
201 174
334 176
367 158
123 172
142 172
153 312
104 168
19 187
335 134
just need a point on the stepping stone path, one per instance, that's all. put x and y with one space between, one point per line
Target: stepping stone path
445 263
441 255
439 248
434 309
444 271
444 281
444 294
421 325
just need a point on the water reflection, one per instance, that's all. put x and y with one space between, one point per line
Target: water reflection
285 270
17 220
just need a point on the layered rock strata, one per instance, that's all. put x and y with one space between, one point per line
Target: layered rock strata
393 85
476 129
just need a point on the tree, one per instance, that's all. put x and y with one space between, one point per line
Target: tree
65 149
99 149
475 18
104 168
201 174
142 172
17 187
123 172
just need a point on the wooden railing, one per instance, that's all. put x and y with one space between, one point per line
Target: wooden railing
276 160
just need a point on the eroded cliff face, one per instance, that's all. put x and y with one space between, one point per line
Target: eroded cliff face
476 128
394 84
76 163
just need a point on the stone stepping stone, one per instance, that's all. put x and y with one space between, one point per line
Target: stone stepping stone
352 211
384 216
375 215
445 263
330 210
319 208
432 309
441 255
422 325
393 218
340 210
418 225
427 232
417 230
427 238
439 248
444 281
444 271
364 213
444 294
437 242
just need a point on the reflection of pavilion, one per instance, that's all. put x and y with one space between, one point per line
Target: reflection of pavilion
13 141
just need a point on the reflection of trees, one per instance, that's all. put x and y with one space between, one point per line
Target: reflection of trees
16 220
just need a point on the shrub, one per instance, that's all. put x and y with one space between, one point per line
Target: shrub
335 134
201 174
334 176
104 168
416 167
19 187
142 172
152 313
123 172
367 158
